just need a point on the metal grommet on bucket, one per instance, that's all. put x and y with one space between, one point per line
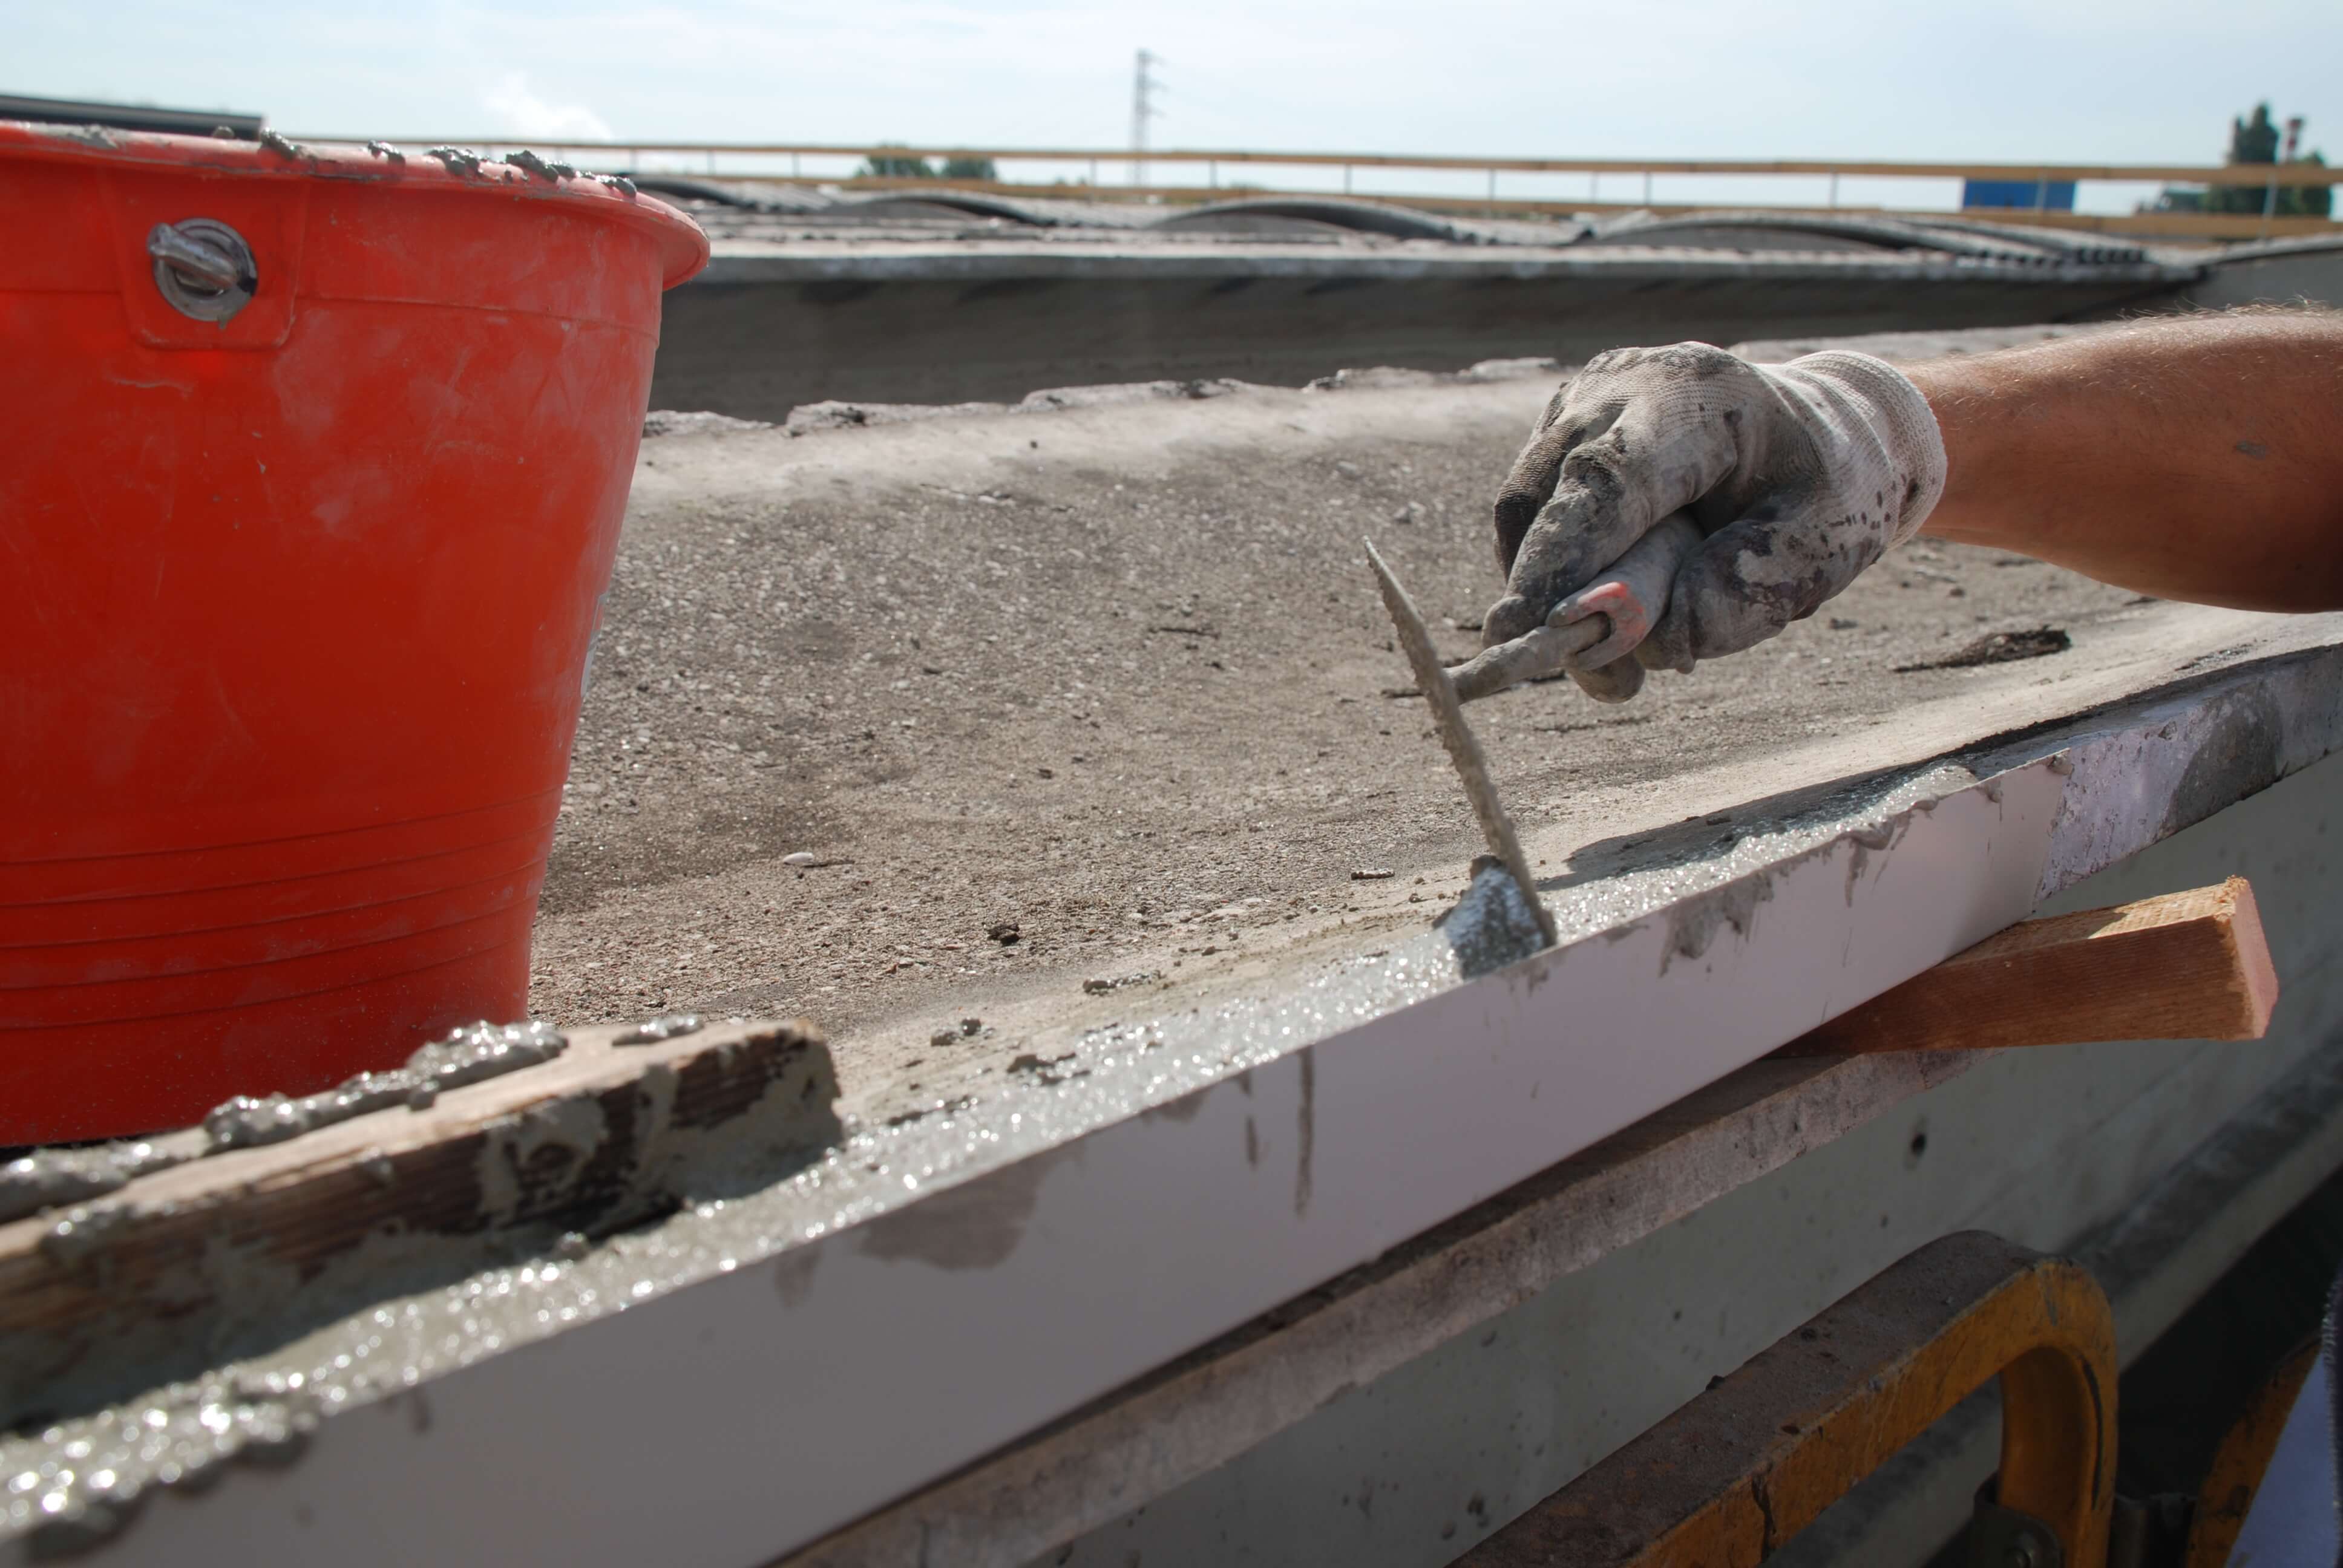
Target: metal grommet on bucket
202 267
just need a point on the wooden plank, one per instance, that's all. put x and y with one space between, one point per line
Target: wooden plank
2190 965
155 1279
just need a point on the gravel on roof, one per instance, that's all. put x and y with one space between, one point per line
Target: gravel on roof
889 724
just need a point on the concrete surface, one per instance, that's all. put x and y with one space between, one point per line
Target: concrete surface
1114 673
2281 272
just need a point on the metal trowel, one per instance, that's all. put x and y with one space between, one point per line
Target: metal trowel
1593 633
1463 750
1594 630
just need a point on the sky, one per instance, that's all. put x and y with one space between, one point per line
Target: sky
1990 80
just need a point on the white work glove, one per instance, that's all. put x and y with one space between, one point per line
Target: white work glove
1799 476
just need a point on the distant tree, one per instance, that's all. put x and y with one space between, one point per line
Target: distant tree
884 166
966 169
2254 139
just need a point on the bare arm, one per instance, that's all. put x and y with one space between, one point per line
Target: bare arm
2198 458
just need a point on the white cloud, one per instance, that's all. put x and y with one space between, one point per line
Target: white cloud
525 114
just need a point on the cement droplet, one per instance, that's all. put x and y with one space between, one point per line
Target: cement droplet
666 1026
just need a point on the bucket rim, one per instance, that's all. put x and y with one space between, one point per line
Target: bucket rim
682 244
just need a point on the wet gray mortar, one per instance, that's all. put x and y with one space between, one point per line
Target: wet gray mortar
54 1178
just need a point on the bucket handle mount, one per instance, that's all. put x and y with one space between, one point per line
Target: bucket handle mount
202 267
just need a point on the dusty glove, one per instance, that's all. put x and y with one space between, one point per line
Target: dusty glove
1799 476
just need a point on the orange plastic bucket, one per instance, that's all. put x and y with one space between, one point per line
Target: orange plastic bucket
304 515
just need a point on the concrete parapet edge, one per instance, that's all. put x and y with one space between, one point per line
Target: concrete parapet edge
928 1295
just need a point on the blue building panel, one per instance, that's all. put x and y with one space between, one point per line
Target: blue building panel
2050 195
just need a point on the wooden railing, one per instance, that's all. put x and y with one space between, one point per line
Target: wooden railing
2297 174
2267 177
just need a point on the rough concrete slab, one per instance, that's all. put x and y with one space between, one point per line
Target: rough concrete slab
974 1260
1115 676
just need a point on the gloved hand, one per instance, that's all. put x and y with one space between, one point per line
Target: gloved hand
1799 476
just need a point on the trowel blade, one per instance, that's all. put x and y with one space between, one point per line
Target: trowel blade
1464 749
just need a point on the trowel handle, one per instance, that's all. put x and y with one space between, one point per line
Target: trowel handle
1541 651
1594 631
1630 598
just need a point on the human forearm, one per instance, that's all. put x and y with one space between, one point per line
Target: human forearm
2197 458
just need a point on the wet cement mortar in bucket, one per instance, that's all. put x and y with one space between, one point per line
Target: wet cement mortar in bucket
80 1478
